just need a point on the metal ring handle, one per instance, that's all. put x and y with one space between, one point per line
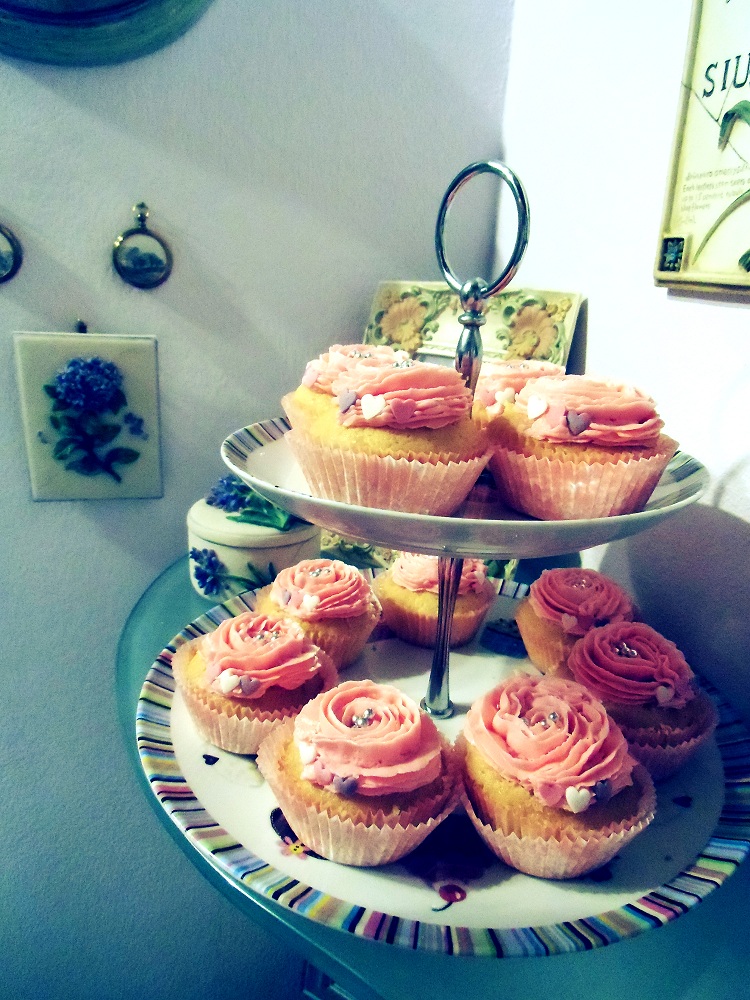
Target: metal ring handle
522 236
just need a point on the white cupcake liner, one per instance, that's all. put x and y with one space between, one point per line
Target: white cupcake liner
559 490
343 840
403 484
569 856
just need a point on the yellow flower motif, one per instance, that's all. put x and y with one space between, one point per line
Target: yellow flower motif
533 333
402 324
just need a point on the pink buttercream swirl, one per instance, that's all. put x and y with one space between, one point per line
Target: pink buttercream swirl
420 572
367 738
322 588
554 738
579 409
407 394
499 381
579 599
631 663
248 654
322 371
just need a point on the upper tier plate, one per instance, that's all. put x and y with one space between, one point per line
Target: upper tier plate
260 456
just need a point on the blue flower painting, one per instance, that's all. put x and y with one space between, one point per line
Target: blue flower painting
87 395
90 408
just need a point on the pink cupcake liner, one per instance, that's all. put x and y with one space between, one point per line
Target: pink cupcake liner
559 490
664 760
401 484
570 856
343 840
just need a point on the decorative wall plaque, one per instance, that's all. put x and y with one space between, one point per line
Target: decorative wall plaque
705 234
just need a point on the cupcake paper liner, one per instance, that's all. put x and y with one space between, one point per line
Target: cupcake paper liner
234 733
420 485
569 856
228 730
547 646
662 760
559 490
420 629
343 840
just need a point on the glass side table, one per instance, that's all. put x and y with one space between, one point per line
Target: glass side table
703 953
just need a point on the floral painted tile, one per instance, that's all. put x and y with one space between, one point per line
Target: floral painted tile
422 318
90 415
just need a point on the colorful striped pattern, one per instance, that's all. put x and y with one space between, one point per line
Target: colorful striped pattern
725 850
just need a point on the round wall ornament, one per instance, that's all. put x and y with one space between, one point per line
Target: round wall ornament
140 256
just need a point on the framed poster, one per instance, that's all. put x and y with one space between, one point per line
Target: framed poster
705 235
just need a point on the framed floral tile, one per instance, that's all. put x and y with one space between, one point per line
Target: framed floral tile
90 410
422 318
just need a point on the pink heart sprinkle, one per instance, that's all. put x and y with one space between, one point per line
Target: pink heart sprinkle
321 773
577 422
569 623
403 410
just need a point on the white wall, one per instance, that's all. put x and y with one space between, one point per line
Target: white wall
294 155
591 109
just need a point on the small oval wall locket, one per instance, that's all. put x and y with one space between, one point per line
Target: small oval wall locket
140 256
11 254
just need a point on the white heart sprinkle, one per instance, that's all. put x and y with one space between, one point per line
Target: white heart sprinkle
371 405
310 602
228 682
578 799
507 395
536 406
664 694
306 753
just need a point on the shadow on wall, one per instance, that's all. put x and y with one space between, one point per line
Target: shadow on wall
691 576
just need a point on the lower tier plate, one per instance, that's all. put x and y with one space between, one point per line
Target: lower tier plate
449 895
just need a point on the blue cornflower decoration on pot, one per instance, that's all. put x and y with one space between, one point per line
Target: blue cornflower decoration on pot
243 504
214 579
230 493
85 395
210 571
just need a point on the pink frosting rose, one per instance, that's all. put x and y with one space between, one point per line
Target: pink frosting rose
580 409
579 599
554 738
631 663
322 588
367 738
406 394
420 572
248 654
499 381
320 373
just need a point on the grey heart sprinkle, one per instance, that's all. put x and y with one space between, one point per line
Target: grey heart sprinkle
577 422
346 399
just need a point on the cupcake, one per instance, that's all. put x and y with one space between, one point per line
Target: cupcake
332 602
574 447
549 783
247 677
408 594
649 689
562 605
397 436
500 382
361 775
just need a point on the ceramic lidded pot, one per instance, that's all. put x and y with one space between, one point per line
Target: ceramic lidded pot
231 552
